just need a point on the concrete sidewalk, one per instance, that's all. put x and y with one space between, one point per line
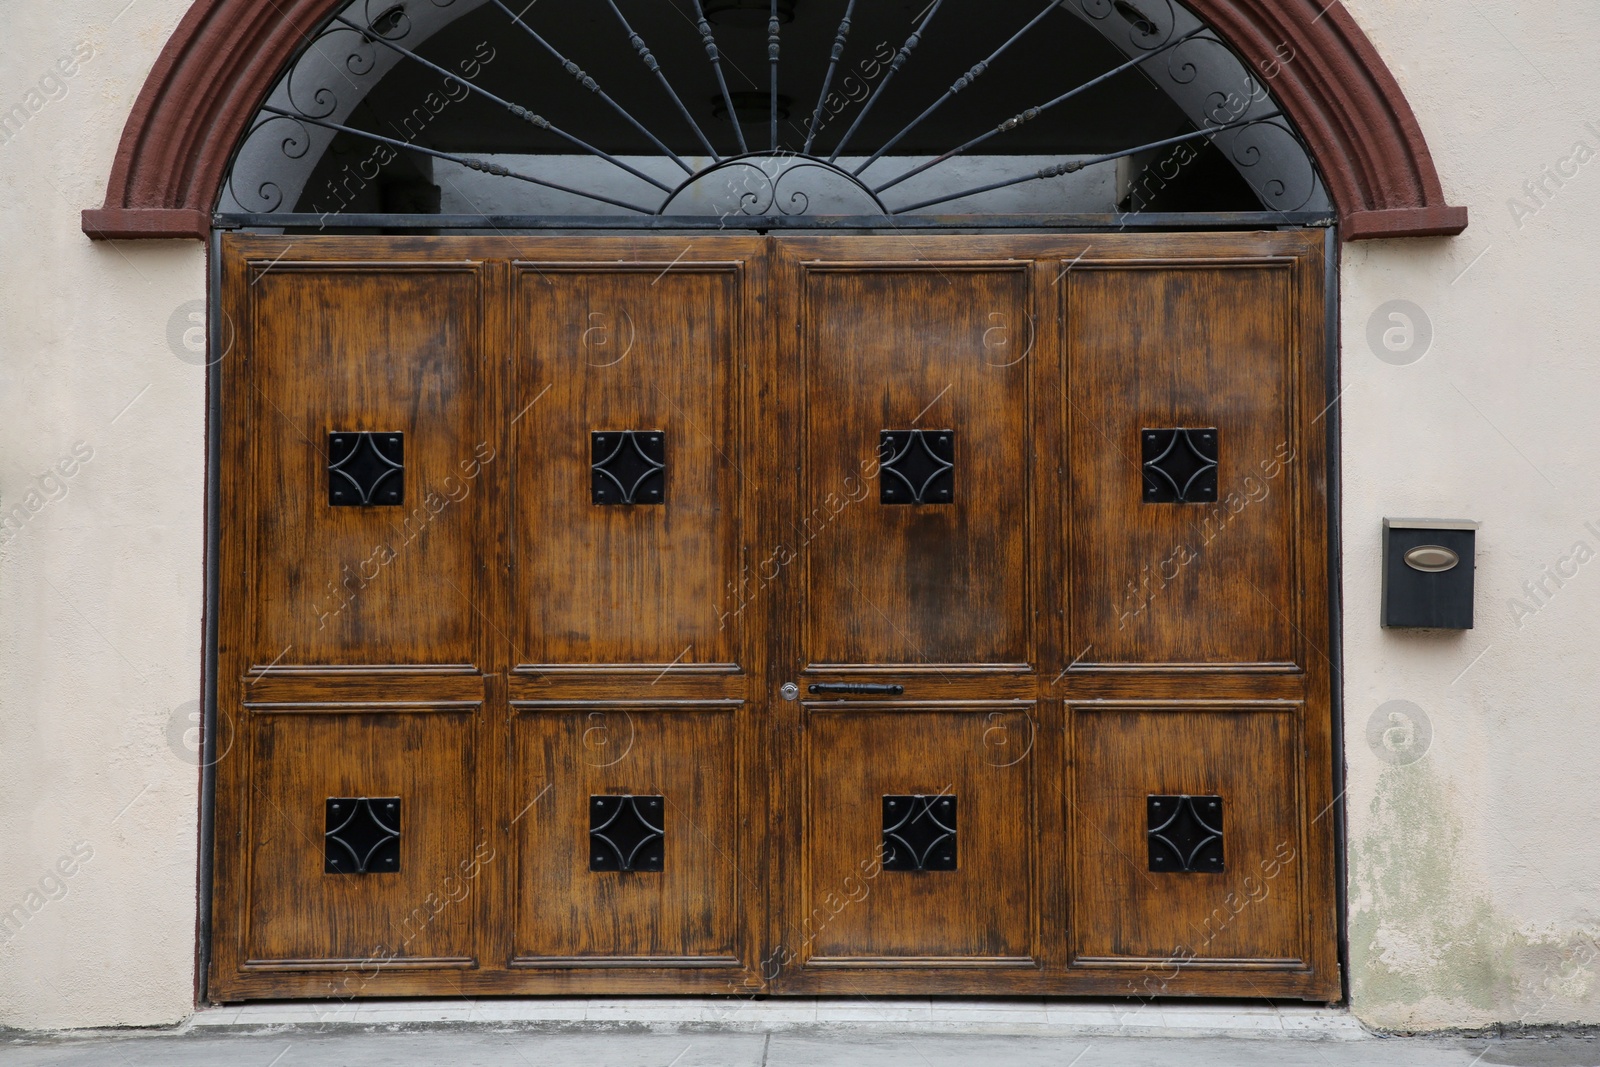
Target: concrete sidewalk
453 1045
667 1032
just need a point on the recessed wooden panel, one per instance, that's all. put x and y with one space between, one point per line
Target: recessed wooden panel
902 348
653 348
303 916
687 913
1253 909
853 911
379 347
1182 346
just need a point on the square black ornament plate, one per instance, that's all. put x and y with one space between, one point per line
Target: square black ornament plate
628 466
361 835
919 832
1180 465
916 466
366 469
626 833
1184 833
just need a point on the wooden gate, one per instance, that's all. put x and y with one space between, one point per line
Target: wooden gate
726 614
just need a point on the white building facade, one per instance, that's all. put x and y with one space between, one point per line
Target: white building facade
1464 871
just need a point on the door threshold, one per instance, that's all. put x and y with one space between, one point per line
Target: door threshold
1022 1016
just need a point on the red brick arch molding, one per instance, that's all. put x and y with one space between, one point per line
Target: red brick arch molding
218 66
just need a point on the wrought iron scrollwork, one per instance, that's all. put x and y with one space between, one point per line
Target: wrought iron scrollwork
1150 23
1284 180
267 197
359 61
771 174
315 101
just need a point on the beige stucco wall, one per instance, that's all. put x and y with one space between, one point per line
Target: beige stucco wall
101 579
1475 863
1475 870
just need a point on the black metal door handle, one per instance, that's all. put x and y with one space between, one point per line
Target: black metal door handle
881 688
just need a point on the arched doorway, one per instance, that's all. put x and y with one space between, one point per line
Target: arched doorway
659 559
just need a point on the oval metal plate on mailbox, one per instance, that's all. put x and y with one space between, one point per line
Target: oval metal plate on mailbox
1431 558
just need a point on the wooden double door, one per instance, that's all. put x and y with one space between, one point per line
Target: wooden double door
732 614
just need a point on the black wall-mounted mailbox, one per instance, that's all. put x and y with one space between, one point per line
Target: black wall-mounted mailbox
1427 573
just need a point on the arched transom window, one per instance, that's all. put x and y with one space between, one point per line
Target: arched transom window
646 112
